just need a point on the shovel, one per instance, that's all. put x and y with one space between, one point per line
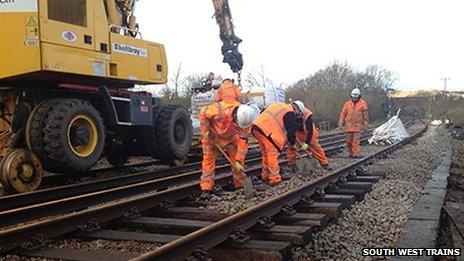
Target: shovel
248 185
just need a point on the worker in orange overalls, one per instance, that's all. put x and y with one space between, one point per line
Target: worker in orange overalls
354 116
275 127
308 136
227 125
228 92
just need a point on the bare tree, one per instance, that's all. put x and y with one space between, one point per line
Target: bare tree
325 91
167 93
256 78
177 81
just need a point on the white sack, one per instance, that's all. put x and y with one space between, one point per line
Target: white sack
199 100
390 132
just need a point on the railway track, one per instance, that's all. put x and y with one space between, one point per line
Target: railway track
162 191
180 174
336 187
134 168
24 207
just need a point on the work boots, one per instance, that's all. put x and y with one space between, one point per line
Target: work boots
207 194
289 168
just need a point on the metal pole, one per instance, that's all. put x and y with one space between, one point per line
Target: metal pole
445 81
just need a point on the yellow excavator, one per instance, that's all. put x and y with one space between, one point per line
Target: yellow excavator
66 72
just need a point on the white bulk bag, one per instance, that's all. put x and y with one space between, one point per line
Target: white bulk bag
390 132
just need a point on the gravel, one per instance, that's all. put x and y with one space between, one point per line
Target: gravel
379 220
236 201
127 247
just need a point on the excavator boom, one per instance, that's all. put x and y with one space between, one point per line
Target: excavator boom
122 14
230 41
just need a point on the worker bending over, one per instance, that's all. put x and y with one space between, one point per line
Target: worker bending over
228 126
308 136
354 117
228 92
275 127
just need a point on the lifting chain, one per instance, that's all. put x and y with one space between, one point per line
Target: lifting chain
239 236
239 79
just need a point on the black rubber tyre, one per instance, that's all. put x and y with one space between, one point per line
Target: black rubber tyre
34 133
116 155
172 134
74 135
149 136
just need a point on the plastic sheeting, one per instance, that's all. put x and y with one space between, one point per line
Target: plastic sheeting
390 132
436 122
274 94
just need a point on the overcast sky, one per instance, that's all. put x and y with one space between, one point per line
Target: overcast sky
421 40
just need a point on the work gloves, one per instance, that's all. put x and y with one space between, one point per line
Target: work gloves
239 167
304 146
208 135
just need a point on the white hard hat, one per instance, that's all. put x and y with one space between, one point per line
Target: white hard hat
300 106
355 93
254 106
246 115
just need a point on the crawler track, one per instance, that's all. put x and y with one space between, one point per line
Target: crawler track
162 191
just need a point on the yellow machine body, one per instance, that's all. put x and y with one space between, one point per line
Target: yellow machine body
72 41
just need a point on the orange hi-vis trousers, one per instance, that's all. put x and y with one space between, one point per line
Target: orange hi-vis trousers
210 154
314 149
269 159
353 141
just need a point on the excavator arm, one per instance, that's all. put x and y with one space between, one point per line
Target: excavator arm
230 41
122 14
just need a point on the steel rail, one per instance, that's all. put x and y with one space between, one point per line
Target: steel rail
70 222
55 193
218 232
66 223
65 204
62 178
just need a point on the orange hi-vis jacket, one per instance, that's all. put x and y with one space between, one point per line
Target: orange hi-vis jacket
306 114
271 123
354 115
228 92
302 134
218 119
